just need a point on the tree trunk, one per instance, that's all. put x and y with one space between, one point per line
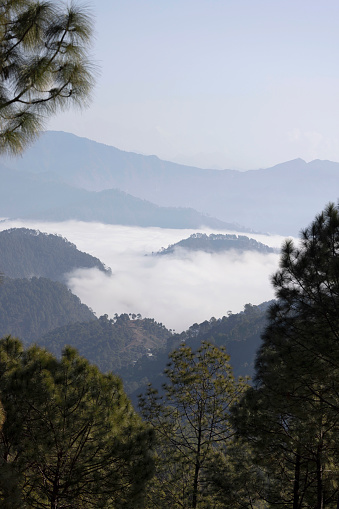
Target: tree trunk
196 472
320 492
296 486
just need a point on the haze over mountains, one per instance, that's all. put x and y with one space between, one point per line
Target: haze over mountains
44 311
64 177
282 199
30 196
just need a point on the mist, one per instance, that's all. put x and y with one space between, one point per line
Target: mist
177 290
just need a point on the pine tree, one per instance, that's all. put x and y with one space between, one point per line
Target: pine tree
44 66
191 420
291 414
71 438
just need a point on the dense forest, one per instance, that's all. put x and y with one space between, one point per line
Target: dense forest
112 344
32 307
25 253
239 333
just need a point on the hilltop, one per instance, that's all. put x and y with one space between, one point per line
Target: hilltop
25 253
218 243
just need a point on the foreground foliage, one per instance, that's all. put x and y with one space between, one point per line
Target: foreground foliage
191 420
291 415
71 438
44 66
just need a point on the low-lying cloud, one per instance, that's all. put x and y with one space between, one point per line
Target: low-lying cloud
177 289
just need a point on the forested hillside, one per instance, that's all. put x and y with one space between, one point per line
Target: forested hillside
137 348
111 344
31 307
239 333
25 253
217 243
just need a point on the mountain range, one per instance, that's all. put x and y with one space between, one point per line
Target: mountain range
57 175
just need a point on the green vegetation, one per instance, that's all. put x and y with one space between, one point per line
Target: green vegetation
217 243
25 253
44 66
291 415
191 421
111 344
71 437
30 308
239 333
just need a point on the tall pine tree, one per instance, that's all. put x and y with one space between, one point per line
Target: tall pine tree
191 421
291 415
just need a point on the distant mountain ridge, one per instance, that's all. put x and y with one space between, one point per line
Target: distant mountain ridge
282 199
113 206
28 195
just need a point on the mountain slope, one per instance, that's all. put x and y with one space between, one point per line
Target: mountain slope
116 207
111 344
26 253
138 349
30 308
239 333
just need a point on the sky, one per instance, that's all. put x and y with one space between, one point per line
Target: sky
240 84
176 290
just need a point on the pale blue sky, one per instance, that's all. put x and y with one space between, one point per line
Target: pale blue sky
227 84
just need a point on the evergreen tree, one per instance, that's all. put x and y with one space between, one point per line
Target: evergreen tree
191 420
44 66
71 438
291 415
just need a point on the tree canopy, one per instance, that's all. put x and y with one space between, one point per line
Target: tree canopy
30 308
191 421
71 438
291 414
44 66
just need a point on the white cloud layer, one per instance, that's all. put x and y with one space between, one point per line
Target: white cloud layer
177 289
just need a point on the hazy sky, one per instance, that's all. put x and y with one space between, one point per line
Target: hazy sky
176 290
223 83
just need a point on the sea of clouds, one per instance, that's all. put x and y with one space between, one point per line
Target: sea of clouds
177 290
